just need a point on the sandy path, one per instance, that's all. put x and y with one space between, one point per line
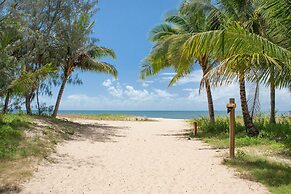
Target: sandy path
137 157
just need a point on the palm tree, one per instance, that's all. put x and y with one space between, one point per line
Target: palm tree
76 51
276 14
191 18
243 55
84 59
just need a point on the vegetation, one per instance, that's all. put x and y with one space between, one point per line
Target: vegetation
47 43
20 136
278 135
276 176
106 117
244 40
25 140
42 45
190 19
265 158
11 135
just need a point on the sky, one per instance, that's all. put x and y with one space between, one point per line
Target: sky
124 26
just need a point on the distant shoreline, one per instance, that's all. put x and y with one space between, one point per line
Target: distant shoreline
147 114
154 114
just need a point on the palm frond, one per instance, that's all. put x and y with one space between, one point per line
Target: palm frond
162 31
100 67
98 52
29 80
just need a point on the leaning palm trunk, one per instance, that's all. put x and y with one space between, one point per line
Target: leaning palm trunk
61 91
248 122
272 102
208 91
210 102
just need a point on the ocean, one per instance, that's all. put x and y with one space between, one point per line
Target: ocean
149 114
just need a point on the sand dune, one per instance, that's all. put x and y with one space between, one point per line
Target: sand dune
137 157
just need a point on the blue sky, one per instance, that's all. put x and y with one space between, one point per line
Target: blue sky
124 27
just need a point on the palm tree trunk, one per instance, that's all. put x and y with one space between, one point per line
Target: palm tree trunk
203 63
28 104
210 102
248 122
6 103
61 91
272 102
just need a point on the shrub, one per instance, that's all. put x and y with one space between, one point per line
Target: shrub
221 125
280 132
269 133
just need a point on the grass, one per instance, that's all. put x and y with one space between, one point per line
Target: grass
11 134
277 137
25 140
266 158
106 117
276 176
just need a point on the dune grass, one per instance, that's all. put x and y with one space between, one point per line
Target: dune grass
105 117
266 158
25 140
11 134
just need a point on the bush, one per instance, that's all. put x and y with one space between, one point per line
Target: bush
280 132
221 125
269 133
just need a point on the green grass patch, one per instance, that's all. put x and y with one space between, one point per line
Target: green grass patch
256 161
276 136
106 117
24 140
21 137
276 176
11 134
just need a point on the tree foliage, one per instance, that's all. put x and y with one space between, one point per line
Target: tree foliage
43 42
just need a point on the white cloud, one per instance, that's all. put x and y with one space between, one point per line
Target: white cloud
168 74
194 77
190 97
107 83
163 94
129 97
134 94
115 91
146 83
194 94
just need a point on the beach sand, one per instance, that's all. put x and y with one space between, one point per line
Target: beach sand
137 157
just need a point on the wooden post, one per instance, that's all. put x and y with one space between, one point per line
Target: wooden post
231 109
195 129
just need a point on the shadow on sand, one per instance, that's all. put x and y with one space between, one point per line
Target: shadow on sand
8 189
181 135
95 132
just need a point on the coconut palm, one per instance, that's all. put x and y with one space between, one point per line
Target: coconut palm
76 51
84 59
276 15
243 55
191 18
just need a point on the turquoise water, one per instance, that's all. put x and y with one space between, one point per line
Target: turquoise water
150 114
